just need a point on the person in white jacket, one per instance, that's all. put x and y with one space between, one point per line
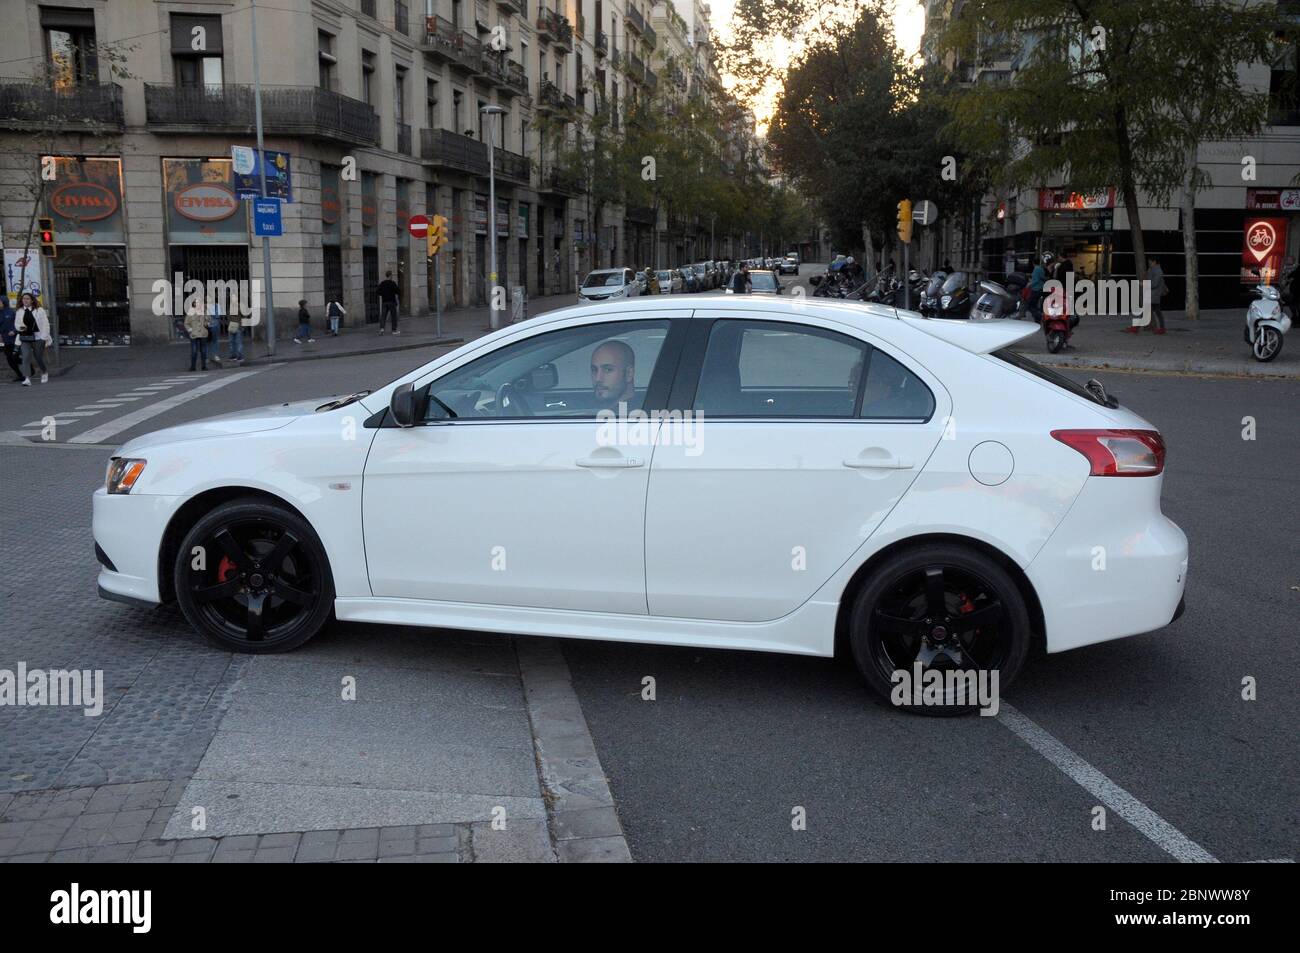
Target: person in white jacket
33 327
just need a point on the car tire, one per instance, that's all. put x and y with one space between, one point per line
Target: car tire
894 624
252 576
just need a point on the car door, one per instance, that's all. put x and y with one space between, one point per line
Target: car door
804 438
515 490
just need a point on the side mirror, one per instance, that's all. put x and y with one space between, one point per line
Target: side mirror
544 377
408 405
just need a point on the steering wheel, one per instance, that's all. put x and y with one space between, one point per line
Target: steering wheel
511 403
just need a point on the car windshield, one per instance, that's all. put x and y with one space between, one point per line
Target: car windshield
1047 374
762 281
604 279
698 269
956 280
664 275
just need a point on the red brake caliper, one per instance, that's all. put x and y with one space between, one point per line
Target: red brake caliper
224 569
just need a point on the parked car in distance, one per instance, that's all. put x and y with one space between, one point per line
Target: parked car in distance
762 282
670 281
605 283
690 281
789 266
703 275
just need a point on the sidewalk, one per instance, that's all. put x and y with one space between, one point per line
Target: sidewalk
458 326
1213 344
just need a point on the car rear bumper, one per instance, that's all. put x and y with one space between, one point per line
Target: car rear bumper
1116 566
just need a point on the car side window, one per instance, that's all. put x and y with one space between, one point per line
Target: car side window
893 392
776 369
574 372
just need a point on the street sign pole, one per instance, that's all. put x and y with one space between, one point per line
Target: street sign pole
261 159
437 298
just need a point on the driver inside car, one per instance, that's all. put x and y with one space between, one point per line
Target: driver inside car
613 374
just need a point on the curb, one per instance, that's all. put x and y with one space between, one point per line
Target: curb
435 342
1216 369
584 823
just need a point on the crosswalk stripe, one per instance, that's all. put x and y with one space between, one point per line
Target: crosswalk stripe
125 422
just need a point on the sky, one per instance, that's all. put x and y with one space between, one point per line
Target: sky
909 23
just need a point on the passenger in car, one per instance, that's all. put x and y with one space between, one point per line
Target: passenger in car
613 374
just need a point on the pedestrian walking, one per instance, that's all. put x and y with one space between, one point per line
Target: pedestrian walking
9 335
33 326
196 326
740 281
389 297
214 311
335 311
1157 289
304 324
1036 282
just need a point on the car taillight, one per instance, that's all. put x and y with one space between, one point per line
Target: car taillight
1117 452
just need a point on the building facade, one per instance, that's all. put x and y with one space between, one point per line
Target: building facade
1252 192
373 111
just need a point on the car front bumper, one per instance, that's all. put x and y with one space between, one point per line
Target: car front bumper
128 532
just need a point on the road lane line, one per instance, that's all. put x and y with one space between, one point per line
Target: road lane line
141 414
128 396
1156 829
98 406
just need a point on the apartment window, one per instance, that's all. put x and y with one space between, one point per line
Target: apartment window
368 77
70 46
1284 83
196 50
400 17
523 57
325 56
431 118
481 137
399 94
582 99
456 20
457 111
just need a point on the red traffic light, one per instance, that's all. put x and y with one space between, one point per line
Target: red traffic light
47 237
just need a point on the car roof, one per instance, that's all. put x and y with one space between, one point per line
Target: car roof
977 337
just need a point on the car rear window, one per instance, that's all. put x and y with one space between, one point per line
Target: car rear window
1046 374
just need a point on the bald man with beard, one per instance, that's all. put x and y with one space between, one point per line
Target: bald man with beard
613 374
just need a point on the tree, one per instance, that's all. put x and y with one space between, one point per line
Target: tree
852 129
1109 91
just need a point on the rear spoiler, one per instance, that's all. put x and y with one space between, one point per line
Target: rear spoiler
978 337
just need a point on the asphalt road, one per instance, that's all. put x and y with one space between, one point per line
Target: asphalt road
736 741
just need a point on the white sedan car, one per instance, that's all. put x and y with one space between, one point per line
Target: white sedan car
779 475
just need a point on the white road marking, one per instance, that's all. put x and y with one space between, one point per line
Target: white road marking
127 396
98 406
141 414
1156 829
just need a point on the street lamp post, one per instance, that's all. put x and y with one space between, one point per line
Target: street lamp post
261 162
494 318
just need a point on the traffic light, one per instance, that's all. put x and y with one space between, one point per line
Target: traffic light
46 228
437 234
905 221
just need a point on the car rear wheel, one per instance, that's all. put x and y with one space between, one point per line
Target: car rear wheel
252 576
944 609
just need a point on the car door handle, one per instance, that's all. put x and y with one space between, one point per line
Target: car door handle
609 462
889 462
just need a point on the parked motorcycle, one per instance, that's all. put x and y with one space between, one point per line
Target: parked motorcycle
929 302
954 297
1266 323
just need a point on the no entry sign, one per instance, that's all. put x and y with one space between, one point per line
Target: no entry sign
418 226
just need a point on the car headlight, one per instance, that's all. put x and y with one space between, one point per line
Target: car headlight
945 300
122 474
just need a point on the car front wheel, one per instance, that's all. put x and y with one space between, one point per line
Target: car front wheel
252 576
942 609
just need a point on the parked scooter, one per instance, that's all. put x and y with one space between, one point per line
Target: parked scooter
1000 300
929 302
1266 323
